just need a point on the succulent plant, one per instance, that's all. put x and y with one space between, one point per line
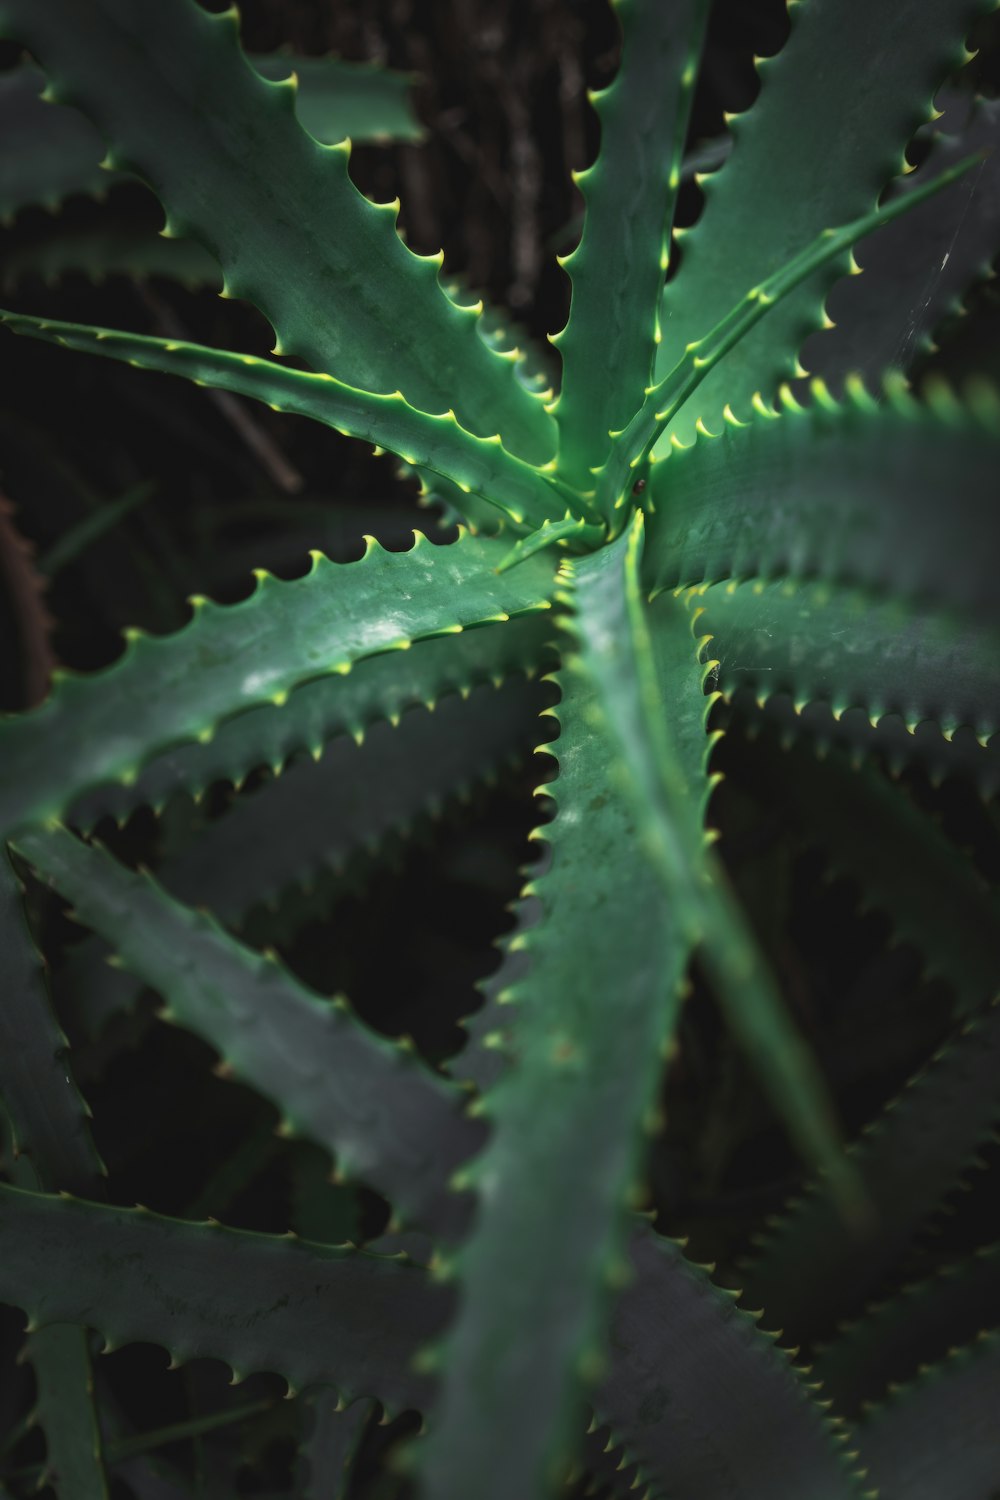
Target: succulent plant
680 541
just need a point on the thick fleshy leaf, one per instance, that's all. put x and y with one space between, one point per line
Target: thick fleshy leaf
267 196
109 250
320 813
321 1313
331 1446
387 1117
171 690
581 1034
897 499
640 688
706 1404
58 151
335 99
517 489
915 271
633 446
889 742
813 1269
816 641
939 1436
74 1464
378 689
870 830
51 1135
629 192
48 1118
817 148
319 819
918 1326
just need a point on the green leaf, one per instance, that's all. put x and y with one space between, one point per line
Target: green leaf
317 818
73 1458
267 197
439 444
99 251
52 1139
708 1405
939 1436
814 641
171 690
321 1313
321 813
812 1268
817 148
916 270
377 689
629 193
59 151
549 534
47 1115
335 99
888 743
852 494
702 355
917 1327
388 1119
903 863
638 689
332 1446
581 1034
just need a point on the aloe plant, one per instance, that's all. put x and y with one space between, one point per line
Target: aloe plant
673 533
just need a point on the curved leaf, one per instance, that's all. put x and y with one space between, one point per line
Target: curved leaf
850 494
813 641
319 817
377 689
47 1115
629 193
175 689
267 196
322 1313
580 1034
812 1269
702 355
641 690
331 1446
439 444
384 1114
940 1436
102 251
59 151
915 270
74 1462
708 1405
916 1327
825 135
905 865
